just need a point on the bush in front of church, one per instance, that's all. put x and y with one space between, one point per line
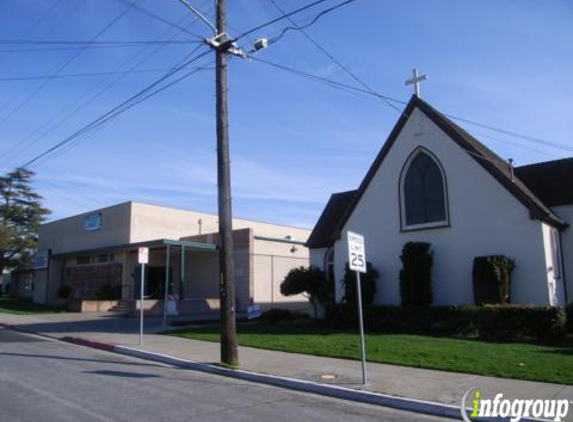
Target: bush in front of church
310 282
416 274
491 277
367 285
569 312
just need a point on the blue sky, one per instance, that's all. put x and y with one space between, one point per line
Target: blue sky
293 141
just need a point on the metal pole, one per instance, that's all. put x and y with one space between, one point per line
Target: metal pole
361 323
229 350
167 264
141 305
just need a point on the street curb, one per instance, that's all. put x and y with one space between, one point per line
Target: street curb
401 403
90 343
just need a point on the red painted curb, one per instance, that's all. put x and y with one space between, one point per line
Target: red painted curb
91 343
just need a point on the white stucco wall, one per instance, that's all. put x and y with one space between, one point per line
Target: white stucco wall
485 219
272 260
317 257
69 234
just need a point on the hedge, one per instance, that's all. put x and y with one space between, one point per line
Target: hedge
367 284
489 322
416 274
569 310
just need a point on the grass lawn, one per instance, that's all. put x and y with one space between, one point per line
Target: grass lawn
528 361
17 306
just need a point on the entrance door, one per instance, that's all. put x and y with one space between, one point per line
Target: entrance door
154 285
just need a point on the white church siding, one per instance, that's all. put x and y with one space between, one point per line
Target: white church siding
566 213
317 257
484 219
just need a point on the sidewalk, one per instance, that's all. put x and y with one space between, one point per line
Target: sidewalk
420 384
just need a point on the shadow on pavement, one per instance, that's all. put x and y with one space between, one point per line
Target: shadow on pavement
122 374
104 361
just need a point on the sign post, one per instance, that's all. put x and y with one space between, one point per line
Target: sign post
142 258
357 262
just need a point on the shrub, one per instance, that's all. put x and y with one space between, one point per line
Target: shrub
277 315
367 284
489 322
416 274
491 277
310 282
108 292
569 313
64 291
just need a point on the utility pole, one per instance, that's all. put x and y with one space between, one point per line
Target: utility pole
229 350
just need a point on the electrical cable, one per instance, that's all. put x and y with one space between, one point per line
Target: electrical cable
63 65
107 115
326 53
159 18
82 75
21 147
280 18
375 94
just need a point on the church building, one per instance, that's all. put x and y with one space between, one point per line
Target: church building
434 182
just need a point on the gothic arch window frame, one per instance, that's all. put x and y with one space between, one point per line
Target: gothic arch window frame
429 225
328 263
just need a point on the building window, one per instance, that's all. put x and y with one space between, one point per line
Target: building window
83 260
100 259
423 192
329 267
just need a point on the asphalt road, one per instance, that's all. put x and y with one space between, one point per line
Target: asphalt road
49 381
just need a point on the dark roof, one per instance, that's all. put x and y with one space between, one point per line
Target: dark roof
551 182
327 224
485 157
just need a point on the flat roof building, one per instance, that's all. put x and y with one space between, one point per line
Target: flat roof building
95 255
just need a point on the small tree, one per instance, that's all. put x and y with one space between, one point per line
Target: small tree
492 279
310 282
21 212
367 284
416 274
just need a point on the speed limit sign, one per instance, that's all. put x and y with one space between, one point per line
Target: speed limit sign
356 252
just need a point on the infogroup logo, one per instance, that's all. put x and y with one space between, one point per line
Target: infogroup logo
515 409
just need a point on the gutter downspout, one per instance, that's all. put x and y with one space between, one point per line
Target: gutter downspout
563 268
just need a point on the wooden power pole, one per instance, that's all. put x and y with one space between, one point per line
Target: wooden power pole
229 350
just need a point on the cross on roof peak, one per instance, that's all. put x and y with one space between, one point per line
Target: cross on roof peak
416 81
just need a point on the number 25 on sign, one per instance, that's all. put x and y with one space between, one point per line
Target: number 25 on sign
356 252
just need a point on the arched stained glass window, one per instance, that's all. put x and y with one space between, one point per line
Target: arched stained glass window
424 193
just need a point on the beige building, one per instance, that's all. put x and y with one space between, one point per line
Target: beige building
95 254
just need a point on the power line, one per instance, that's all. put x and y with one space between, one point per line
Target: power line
297 27
64 64
41 19
81 75
100 124
116 110
93 43
93 47
159 18
21 147
344 86
324 51
264 25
